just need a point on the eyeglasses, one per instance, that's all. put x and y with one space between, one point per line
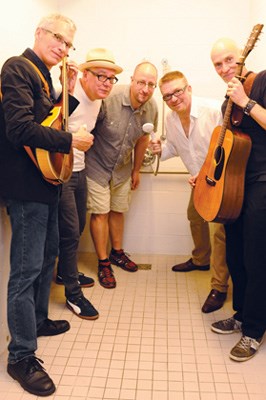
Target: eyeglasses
176 93
59 39
104 78
142 84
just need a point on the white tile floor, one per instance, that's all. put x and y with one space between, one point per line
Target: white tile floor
151 342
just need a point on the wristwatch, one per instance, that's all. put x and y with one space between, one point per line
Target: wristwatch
248 107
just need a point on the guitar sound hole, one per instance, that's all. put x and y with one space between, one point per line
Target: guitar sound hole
219 158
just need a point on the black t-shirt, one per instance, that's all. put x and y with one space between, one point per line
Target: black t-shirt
256 167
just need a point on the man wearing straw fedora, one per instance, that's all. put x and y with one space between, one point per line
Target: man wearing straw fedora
95 84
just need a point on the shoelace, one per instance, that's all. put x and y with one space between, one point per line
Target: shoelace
123 258
107 271
246 342
34 365
228 322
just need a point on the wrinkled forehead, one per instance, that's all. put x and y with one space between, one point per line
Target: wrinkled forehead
224 49
220 55
104 71
147 74
61 27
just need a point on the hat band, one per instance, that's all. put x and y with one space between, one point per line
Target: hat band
100 59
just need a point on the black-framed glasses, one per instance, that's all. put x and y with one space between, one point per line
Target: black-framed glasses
142 84
104 78
59 39
176 93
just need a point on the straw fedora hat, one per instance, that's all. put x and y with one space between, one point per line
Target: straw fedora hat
102 58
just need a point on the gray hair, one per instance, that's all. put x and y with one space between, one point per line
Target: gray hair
49 20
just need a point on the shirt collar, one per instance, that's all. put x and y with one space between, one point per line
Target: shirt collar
127 102
194 107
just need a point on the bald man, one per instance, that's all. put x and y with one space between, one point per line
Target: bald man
111 173
245 238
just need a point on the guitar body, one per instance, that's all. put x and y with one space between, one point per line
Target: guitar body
54 166
219 190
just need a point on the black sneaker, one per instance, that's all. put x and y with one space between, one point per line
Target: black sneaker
83 280
82 308
32 376
52 328
226 326
120 259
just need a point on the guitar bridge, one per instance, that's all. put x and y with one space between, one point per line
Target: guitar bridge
210 181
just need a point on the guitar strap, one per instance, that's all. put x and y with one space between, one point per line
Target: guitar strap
44 82
237 113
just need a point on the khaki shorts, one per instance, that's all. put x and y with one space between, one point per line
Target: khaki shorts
101 199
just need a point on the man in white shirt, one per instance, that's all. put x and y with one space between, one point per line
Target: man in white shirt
95 84
189 126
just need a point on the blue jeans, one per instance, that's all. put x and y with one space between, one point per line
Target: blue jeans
72 220
34 247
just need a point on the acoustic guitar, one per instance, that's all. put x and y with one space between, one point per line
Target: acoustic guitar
219 190
56 168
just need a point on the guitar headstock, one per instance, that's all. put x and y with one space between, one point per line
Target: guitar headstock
256 31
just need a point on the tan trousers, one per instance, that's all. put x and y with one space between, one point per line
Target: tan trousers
209 246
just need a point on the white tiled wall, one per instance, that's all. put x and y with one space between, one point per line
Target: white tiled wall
156 221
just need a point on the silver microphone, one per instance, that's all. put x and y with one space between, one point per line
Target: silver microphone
149 128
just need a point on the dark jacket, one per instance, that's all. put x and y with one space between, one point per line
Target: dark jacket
24 107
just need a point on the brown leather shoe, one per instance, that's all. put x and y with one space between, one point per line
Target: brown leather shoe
190 266
214 301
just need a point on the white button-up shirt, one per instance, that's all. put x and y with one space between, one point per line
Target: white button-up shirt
205 115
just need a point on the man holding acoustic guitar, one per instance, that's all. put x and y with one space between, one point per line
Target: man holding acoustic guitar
245 237
32 198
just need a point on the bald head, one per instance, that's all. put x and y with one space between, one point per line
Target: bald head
143 83
146 67
225 54
224 45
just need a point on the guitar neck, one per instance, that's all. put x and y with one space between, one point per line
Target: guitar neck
65 107
229 106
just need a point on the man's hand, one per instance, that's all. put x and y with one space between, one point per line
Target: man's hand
237 93
82 139
155 146
135 180
72 73
192 180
